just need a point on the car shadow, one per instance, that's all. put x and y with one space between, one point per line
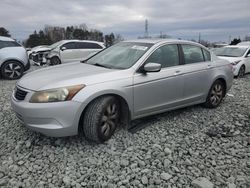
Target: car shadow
139 124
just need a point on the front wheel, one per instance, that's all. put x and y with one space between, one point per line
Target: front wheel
215 95
12 70
55 61
101 119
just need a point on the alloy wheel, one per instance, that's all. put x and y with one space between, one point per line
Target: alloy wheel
216 94
109 119
13 70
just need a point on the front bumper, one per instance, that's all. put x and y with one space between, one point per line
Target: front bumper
57 119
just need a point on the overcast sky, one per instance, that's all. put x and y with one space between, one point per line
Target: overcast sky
215 20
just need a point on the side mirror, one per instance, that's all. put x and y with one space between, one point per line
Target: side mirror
152 67
63 48
248 55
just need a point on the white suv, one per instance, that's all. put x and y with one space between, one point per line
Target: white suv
13 59
72 50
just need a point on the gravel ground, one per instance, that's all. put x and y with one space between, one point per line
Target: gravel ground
190 147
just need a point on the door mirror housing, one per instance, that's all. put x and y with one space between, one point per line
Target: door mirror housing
152 67
63 48
248 55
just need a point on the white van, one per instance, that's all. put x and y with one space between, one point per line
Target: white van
72 50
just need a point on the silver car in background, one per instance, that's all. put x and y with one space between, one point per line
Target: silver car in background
13 59
124 82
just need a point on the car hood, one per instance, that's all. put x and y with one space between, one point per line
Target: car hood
231 59
66 75
41 49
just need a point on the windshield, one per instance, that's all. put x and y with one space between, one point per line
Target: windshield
52 46
120 56
230 51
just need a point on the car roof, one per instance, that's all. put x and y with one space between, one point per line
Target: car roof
156 41
2 38
75 40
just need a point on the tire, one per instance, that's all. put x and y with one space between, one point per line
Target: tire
215 95
241 72
55 61
12 70
101 119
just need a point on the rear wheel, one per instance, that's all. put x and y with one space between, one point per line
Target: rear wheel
215 95
241 71
101 119
55 61
12 70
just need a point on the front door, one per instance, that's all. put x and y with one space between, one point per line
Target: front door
158 91
70 53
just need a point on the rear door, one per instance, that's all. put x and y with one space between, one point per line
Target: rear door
157 91
197 73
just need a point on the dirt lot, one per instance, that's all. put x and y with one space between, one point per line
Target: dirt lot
183 148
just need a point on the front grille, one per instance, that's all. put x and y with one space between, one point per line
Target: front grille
20 94
35 58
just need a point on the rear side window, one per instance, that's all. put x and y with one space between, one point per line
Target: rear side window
5 44
166 55
88 45
70 45
207 55
192 54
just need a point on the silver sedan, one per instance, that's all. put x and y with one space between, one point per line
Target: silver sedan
129 80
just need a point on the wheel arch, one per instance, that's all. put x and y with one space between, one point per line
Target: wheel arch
125 109
223 80
12 59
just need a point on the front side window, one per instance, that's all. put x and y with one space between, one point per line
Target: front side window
120 56
5 44
192 54
167 56
70 45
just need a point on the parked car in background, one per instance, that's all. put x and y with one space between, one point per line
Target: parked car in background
124 82
73 50
238 55
13 59
245 43
37 54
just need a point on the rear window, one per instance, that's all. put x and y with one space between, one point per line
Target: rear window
5 44
207 55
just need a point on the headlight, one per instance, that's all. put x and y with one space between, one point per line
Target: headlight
56 95
235 62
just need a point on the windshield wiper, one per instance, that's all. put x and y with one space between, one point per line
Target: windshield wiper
100 65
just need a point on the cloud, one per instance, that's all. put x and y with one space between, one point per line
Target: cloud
214 20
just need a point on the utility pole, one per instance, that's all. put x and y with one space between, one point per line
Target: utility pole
146 29
199 38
